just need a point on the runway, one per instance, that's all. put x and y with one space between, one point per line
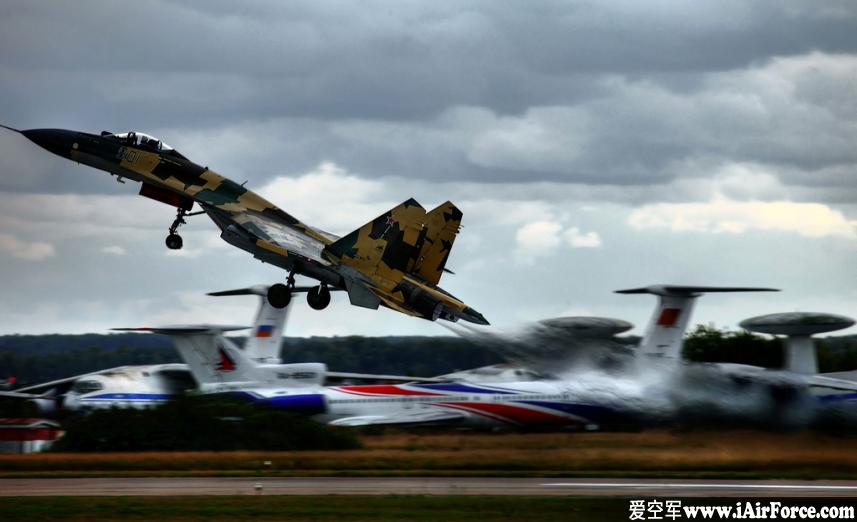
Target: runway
424 486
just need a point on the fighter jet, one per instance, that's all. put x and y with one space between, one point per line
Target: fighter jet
395 260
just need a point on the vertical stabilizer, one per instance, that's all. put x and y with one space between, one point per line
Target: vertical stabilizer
664 335
263 342
212 358
441 226
388 243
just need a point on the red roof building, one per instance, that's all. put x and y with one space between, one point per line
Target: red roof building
27 435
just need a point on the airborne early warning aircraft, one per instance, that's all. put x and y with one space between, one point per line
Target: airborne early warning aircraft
579 399
395 260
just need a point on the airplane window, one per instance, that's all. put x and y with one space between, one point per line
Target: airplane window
87 386
141 139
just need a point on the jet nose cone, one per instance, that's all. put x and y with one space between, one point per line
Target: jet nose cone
58 141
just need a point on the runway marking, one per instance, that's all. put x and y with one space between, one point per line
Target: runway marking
691 486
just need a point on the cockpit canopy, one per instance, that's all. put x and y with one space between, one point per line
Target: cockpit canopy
87 386
142 140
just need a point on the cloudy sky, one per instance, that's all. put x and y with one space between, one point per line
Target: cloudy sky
592 146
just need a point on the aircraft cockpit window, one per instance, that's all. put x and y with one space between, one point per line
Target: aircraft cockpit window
140 139
87 387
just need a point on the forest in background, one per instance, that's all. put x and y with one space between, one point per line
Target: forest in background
40 358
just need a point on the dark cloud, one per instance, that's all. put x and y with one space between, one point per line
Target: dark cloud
384 60
527 116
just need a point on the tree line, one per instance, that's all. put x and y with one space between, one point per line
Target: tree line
33 359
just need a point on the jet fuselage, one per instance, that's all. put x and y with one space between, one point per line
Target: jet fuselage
251 223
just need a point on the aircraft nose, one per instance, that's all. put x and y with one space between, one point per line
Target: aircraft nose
58 141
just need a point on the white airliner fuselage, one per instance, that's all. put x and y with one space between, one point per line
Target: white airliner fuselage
537 403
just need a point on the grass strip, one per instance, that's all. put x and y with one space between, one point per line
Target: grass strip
315 508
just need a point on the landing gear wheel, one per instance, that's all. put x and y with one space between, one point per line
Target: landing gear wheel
318 297
279 295
174 242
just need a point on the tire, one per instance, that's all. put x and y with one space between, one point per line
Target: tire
174 242
318 298
279 295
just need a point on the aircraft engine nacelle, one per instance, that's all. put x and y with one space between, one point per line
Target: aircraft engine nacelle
422 302
304 404
45 407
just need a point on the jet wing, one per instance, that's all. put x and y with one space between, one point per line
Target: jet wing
272 232
831 382
16 395
424 417
67 380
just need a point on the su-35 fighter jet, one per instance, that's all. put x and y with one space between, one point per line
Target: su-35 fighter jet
395 260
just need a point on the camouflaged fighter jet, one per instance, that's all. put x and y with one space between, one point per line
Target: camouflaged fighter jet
395 260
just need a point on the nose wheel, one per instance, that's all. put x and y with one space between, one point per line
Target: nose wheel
174 241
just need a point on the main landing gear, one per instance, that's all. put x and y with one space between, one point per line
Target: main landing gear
280 295
318 297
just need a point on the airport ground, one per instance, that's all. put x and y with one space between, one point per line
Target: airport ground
432 476
652 454
320 509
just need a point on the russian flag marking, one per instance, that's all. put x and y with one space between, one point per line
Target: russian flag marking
264 330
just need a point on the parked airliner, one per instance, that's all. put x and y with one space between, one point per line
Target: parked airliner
221 368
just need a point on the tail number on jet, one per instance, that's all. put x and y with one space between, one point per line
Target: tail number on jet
297 375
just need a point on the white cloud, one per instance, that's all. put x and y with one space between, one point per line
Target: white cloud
31 251
328 197
726 216
540 237
114 250
577 239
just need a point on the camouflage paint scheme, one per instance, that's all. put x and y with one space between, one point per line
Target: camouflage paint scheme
396 260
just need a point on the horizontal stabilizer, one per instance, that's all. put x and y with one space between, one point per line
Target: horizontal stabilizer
17 395
262 290
252 290
360 295
691 291
185 329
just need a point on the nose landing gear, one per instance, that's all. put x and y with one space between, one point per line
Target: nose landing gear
174 241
